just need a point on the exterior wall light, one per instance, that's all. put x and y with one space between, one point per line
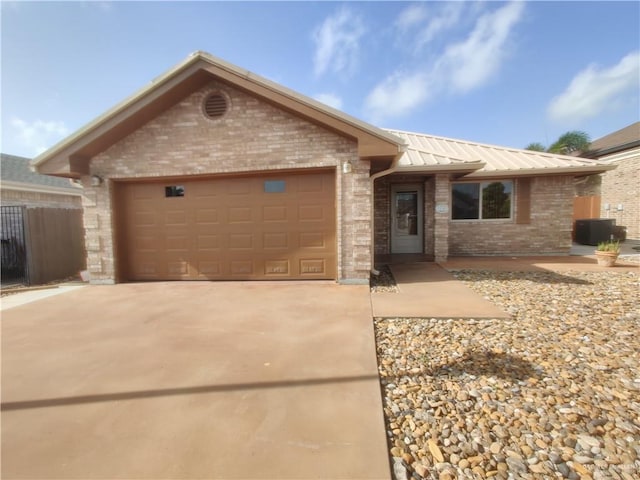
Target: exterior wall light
347 167
96 181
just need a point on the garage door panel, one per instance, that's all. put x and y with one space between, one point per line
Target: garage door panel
274 213
313 266
208 243
175 218
207 216
276 241
312 240
209 269
311 184
177 244
180 268
241 241
274 226
243 268
277 268
146 219
239 186
239 214
311 213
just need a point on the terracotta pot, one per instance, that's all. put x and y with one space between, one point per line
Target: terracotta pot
607 259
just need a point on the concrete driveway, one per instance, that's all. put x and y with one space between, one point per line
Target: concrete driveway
193 380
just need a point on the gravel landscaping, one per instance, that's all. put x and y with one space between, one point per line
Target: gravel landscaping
553 392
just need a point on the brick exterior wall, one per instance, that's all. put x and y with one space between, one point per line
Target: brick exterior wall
590 187
252 136
548 232
622 187
442 229
38 199
382 215
382 210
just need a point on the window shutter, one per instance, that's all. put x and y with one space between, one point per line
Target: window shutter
523 201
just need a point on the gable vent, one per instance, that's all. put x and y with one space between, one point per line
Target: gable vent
215 105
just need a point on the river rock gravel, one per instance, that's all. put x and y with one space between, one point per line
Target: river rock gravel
552 392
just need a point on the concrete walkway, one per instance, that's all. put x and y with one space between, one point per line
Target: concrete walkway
585 263
33 295
426 290
184 380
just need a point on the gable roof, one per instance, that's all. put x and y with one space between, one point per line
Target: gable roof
416 152
16 173
620 140
71 156
431 153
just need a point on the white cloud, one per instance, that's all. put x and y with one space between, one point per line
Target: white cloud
397 95
457 69
448 17
471 63
39 135
330 99
410 17
338 43
594 90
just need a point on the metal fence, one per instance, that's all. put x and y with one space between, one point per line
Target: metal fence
40 245
15 269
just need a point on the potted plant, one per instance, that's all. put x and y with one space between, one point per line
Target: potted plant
607 253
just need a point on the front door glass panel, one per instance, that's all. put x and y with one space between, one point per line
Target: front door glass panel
406 213
407 224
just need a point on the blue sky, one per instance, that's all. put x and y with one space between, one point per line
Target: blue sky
491 72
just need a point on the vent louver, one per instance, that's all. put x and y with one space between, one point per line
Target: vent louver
215 105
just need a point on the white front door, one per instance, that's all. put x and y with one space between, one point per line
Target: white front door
407 219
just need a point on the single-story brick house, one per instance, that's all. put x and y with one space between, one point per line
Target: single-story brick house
212 172
619 188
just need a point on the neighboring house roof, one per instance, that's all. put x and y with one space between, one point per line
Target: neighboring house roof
430 153
16 174
618 141
70 157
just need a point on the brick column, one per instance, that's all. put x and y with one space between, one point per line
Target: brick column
98 232
355 223
441 218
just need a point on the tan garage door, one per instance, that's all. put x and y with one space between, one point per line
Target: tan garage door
266 227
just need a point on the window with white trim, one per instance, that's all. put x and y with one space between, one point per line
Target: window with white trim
482 200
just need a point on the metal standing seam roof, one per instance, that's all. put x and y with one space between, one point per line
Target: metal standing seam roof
430 152
420 152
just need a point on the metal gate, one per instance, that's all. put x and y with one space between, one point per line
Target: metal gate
15 268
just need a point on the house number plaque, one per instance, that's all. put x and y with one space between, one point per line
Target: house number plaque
442 208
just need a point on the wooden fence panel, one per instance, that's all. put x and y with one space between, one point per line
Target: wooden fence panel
55 243
586 207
